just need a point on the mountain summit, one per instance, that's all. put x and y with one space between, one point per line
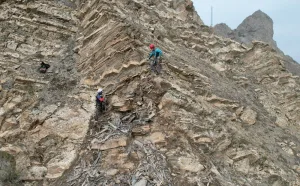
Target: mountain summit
258 26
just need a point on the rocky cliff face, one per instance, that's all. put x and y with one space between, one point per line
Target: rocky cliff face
219 114
42 121
224 30
258 26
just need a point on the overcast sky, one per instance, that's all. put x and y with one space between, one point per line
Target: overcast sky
284 13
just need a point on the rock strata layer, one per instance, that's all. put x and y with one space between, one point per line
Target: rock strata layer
220 113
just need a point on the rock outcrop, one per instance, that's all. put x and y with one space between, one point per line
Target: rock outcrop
43 118
258 26
224 30
219 114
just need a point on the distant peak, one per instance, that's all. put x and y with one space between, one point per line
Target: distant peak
222 24
260 13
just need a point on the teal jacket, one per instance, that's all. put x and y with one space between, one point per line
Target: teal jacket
156 53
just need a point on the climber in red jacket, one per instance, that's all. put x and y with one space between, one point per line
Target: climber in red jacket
100 102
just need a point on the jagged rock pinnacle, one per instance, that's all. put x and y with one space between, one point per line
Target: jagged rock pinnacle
258 26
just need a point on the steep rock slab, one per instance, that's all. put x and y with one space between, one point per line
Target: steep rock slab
204 87
194 107
40 121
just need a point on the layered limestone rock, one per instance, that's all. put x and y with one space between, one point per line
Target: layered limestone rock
256 27
42 122
186 10
219 114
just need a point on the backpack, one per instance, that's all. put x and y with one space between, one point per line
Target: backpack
44 67
43 70
101 99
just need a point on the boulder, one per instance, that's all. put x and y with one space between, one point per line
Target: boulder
142 182
281 121
249 116
219 66
190 164
119 104
156 138
37 172
112 172
109 144
59 164
141 130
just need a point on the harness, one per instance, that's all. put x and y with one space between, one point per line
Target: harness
101 99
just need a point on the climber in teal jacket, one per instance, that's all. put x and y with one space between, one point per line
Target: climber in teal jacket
155 52
156 63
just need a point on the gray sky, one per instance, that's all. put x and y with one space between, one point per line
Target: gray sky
284 13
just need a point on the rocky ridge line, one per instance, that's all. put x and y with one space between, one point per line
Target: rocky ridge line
257 27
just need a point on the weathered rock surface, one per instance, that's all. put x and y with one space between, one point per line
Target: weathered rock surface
219 114
224 30
8 174
258 26
249 116
111 144
40 124
142 182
